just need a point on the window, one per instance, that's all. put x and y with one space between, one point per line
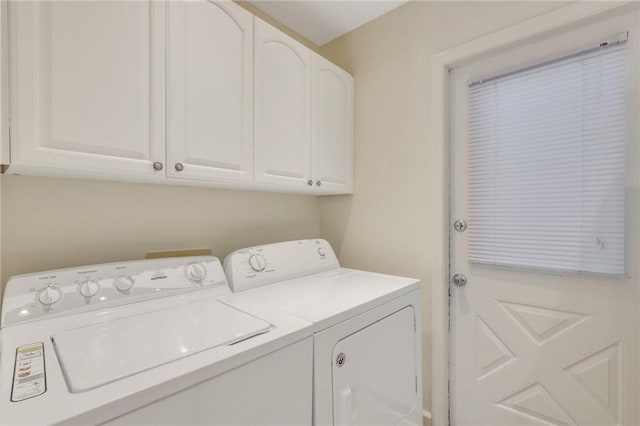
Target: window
547 165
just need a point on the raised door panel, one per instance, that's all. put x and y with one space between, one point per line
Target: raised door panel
332 128
210 91
283 73
88 87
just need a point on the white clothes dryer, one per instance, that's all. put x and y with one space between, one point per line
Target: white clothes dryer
367 329
148 342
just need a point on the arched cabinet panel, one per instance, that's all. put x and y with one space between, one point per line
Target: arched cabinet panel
332 128
283 84
210 91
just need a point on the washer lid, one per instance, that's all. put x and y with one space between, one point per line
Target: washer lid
95 355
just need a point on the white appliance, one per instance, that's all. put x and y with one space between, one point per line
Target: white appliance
367 341
149 342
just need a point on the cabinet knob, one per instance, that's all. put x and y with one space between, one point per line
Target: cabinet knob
318 183
179 167
157 166
310 182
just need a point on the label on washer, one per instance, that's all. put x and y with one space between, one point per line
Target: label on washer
29 376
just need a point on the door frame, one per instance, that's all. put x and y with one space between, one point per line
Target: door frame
440 65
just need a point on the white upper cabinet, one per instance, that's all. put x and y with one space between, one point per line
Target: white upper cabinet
210 91
332 128
191 92
88 88
283 91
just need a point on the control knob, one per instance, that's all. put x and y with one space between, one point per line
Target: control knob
257 262
123 283
89 288
195 272
49 296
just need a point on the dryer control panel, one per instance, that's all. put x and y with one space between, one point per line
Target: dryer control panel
258 266
64 291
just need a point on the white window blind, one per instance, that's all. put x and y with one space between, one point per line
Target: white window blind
546 165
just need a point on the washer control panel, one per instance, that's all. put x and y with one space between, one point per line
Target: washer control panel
34 296
258 266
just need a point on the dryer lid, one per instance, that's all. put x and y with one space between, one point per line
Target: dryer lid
95 355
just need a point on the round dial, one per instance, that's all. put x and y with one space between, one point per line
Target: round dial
123 283
195 272
257 262
89 288
49 296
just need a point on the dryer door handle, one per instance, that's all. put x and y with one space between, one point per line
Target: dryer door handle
345 410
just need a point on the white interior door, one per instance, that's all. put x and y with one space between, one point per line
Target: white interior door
88 86
283 72
540 346
210 91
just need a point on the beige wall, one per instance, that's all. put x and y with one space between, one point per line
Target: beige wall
386 225
53 223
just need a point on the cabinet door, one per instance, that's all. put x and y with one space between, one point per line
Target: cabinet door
210 91
88 88
283 73
332 128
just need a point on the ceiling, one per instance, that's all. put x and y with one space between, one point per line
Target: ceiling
321 21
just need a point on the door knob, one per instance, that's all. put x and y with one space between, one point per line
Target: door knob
460 225
459 280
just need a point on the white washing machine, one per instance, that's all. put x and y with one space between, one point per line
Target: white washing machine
149 342
367 333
